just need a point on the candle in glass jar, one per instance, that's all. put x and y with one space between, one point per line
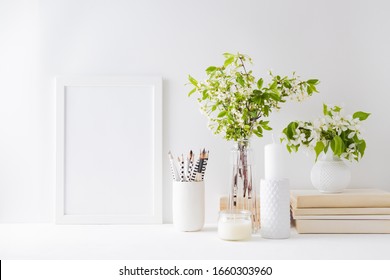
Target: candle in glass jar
274 162
234 225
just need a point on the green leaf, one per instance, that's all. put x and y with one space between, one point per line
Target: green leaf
291 129
266 127
266 110
260 83
193 81
362 147
361 115
337 109
314 88
285 131
240 80
295 148
192 91
287 84
258 134
274 96
211 69
325 109
227 55
326 147
222 114
313 82
319 148
253 114
228 61
309 89
337 145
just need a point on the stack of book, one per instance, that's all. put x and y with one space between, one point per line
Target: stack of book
352 211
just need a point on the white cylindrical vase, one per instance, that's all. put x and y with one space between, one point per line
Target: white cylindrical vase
275 208
188 205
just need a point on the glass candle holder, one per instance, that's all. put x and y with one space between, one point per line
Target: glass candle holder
235 225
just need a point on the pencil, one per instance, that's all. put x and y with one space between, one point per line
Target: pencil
181 161
194 171
190 161
175 174
205 156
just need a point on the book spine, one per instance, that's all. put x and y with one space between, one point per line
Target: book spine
342 226
377 201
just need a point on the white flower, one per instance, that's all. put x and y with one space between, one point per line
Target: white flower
317 124
328 119
354 127
336 118
295 142
352 134
313 136
351 156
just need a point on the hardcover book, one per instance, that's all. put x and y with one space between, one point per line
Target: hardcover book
342 226
340 211
341 217
350 198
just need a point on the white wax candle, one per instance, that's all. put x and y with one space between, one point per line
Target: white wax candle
274 162
236 229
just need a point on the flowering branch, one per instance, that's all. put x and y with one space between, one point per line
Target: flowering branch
237 104
334 130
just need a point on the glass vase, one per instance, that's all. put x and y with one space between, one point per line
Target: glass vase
242 192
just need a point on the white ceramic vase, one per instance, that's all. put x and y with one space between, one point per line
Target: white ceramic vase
330 174
188 205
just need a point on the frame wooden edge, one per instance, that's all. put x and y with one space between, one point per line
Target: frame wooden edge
158 163
60 134
61 83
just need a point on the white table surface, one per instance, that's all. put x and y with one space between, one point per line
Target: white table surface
50 241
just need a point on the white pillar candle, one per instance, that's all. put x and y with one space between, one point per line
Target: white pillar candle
235 225
274 162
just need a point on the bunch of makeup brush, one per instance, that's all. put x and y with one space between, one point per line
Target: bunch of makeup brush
184 170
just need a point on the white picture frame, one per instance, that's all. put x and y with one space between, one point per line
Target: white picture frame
109 150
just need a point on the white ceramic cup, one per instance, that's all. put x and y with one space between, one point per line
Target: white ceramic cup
188 205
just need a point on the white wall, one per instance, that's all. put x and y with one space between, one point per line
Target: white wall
343 43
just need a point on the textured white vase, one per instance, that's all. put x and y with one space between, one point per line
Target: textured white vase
275 208
188 205
330 174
